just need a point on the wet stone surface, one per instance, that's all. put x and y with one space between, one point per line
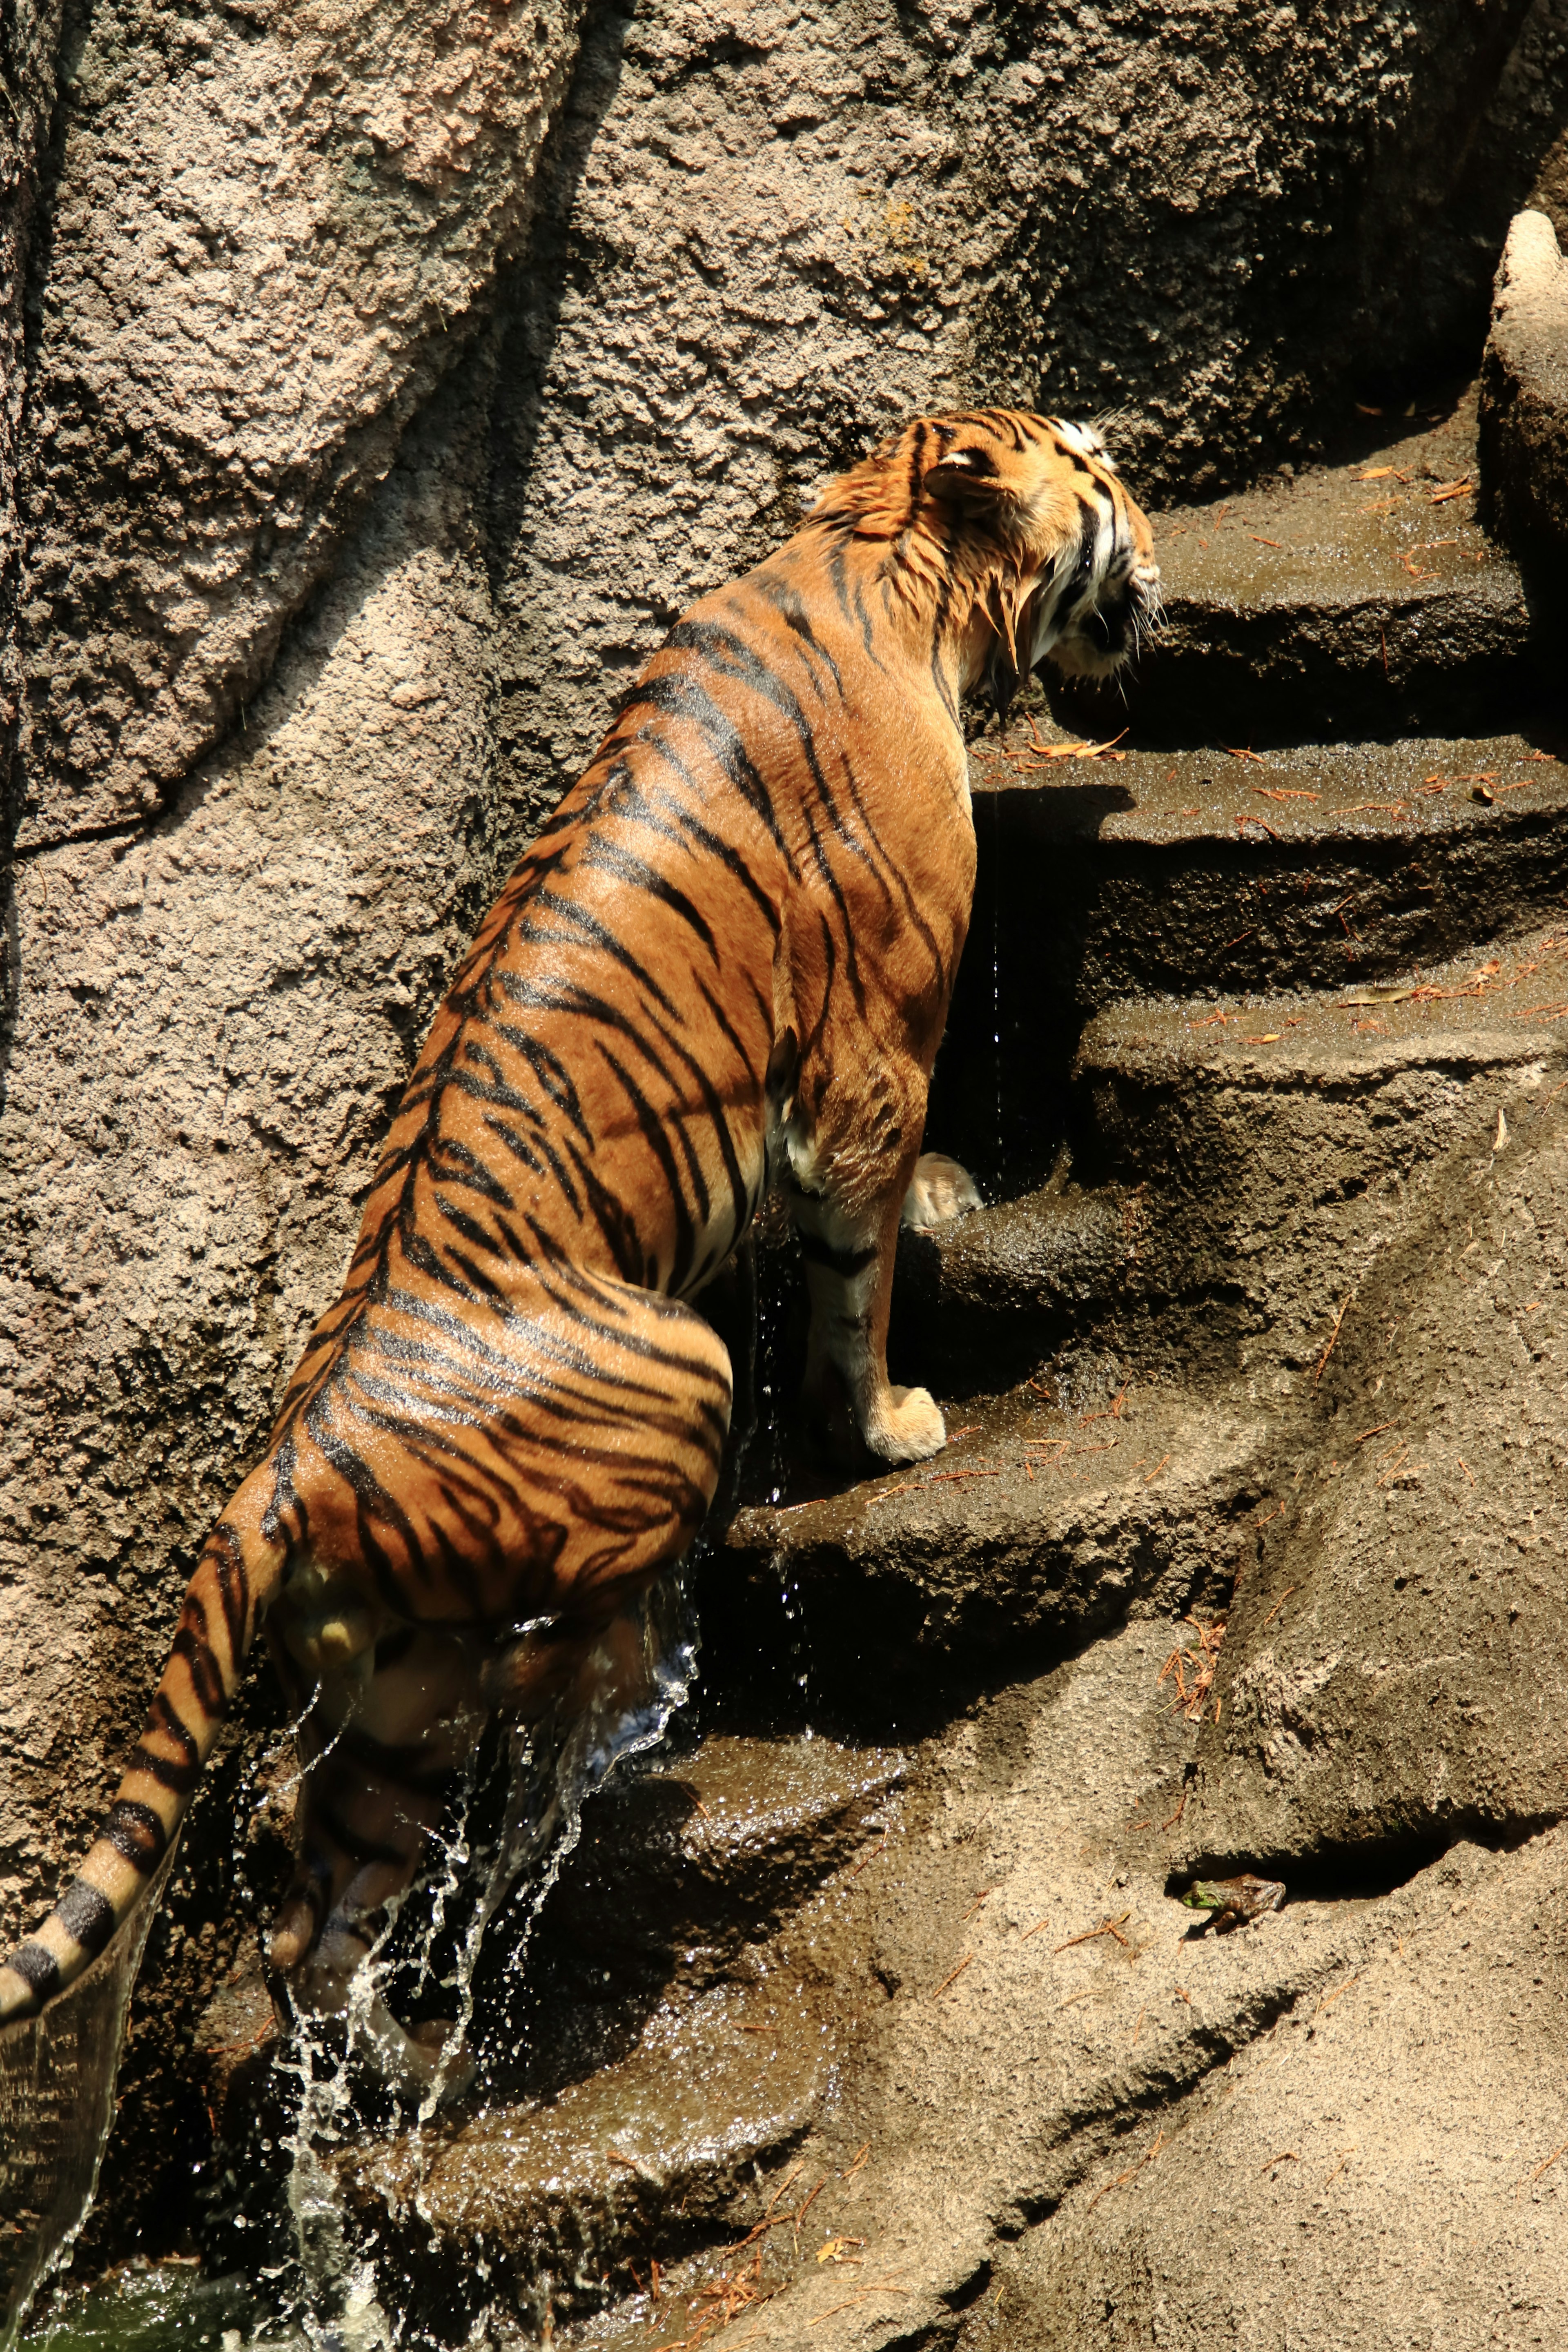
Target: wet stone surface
1033 1523
1365 595
676 2026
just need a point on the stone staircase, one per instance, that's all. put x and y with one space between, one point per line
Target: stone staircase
1242 994
1220 1009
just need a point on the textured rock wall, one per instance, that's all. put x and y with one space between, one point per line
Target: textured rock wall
393 375
270 229
29 38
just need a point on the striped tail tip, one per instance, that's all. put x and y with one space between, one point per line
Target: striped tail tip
26 1980
75 1932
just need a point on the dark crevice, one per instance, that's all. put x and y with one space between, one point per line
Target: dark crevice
1368 1871
126 829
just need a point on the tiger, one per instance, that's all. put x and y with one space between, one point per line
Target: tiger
724 963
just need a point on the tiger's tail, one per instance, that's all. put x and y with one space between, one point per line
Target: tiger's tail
238 1572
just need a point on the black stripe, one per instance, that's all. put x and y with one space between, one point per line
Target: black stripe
844 1263
461 1166
470 1227
1074 457
87 1915
678 697
706 839
592 933
732 657
136 1832
654 1134
917 470
191 1642
952 531
234 1595
182 1774
628 867
38 1967
179 1779
1088 540
788 604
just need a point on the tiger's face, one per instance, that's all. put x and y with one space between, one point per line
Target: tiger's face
1100 602
1086 587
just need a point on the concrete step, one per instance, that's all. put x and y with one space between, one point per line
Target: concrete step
1360 599
1052 1513
1238 1165
659 2048
1199 875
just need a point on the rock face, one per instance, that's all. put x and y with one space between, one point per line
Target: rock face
772 236
270 233
1524 391
374 388
1375 2163
30 61
1396 1659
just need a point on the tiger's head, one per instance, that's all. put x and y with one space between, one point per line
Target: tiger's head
1084 586
1021 530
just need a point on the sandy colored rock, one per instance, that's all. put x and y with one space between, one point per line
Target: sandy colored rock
31 45
273 231
1524 391
1377 2172
1325 2126
1399 1671
773 235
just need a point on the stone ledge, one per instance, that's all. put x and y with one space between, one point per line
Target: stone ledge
1524 393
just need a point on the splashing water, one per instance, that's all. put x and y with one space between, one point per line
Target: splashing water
341 2082
550 1771
57 2104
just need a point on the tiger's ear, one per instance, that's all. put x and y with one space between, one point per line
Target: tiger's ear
968 476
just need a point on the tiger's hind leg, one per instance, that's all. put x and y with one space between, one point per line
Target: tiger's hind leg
384 1752
584 1472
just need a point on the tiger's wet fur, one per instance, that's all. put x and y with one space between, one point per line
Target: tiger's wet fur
728 955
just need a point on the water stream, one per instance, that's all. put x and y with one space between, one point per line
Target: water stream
312 2277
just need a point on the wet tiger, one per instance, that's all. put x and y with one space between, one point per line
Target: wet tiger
726 958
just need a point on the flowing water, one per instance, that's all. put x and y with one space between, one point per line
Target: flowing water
460 1941
56 2103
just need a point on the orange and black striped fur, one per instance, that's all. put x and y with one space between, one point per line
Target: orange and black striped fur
729 954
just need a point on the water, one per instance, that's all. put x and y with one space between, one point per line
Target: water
150 2307
56 2103
313 2283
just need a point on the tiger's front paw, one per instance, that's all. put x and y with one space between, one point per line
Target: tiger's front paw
940 1190
909 1427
